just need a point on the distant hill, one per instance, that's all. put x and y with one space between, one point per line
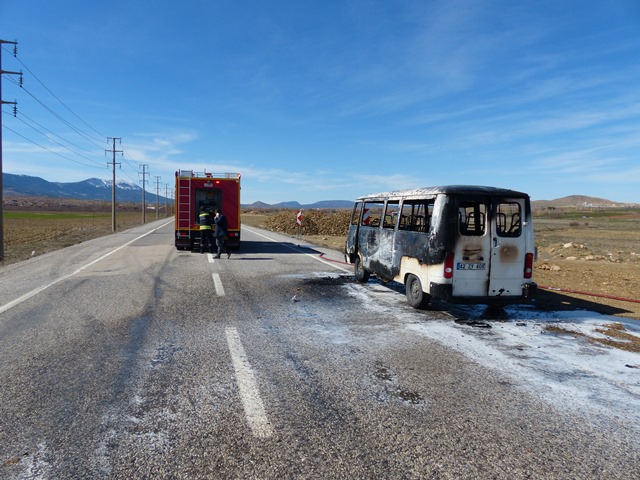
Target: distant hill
580 201
96 189
90 189
324 204
564 202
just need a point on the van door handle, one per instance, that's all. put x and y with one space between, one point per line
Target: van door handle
495 243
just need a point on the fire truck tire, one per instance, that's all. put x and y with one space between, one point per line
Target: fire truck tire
361 274
415 296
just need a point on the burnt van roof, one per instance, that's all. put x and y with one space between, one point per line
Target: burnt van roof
447 189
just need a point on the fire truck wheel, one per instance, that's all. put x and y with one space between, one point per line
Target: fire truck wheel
361 274
415 296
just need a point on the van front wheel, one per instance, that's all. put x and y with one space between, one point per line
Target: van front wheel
415 296
361 274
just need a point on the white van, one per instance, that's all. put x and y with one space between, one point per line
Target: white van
453 243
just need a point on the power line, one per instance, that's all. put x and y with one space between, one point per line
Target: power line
63 120
79 130
49 150
52 140
52 133
133 180
22 114
56 97
125 153
83 134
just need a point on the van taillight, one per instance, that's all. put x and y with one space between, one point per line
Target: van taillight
528 265
448 265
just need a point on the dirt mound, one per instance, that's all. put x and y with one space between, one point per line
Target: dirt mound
314 222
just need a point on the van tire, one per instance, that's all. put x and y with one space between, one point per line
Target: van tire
360 273
415 296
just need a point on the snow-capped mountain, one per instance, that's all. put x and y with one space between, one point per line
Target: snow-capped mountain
90 189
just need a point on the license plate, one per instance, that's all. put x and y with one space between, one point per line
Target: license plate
471 266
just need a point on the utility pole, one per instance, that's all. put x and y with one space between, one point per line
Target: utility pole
166 202
113 185
144 183
157 196
15 52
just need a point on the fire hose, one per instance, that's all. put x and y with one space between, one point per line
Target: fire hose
334 261
589 294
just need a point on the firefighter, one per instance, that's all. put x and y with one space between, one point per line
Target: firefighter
204 220
221 233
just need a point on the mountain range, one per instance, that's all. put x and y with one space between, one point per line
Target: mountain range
90 189
96 189
324 204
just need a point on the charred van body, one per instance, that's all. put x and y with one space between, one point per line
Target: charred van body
454 243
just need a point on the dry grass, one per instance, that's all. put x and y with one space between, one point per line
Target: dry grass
313 230
28 234
616 336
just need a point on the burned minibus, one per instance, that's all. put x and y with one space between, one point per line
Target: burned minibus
468 244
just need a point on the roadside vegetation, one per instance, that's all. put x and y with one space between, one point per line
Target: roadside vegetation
28 233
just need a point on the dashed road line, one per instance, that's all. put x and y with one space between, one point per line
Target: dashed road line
217 283
249 394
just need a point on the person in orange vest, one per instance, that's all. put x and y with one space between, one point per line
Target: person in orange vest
206 237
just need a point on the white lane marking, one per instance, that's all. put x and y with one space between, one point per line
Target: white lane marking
217 283
249 393
36 291
315 257
210 257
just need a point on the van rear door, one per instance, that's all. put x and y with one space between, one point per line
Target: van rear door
508 247
472 250
490 247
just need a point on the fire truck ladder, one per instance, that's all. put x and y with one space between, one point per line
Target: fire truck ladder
184 202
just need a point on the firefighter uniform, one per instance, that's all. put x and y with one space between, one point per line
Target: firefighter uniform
206 236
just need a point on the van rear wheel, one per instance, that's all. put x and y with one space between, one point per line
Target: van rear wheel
415 296
361 274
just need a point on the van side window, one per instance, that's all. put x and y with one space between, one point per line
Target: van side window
508 219
391 214
472 218
357 208
372 214
415 215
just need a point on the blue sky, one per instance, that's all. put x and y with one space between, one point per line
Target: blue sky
318 100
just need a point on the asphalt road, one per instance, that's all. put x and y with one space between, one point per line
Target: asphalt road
124 358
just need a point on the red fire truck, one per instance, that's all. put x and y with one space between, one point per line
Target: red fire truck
195 190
